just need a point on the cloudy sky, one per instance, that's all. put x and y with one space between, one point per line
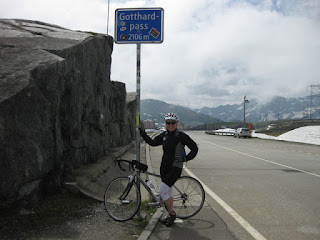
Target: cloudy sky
214 51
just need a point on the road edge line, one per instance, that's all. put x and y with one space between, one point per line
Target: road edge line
251 230
262 159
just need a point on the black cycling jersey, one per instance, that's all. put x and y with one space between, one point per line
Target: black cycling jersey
169 141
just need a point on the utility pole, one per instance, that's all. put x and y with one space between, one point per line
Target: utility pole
314 93
245 100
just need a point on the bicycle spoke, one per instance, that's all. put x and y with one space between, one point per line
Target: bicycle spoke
118 208
188 197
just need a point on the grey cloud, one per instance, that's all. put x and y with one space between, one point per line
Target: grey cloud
210 90
214 52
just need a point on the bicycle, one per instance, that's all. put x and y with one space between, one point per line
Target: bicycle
122 198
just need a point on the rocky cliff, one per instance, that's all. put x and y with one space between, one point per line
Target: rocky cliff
58 108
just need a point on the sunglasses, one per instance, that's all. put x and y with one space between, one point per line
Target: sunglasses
171 123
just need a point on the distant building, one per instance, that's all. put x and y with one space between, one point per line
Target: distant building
149 124
181 125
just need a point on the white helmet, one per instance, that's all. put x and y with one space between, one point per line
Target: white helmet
171 116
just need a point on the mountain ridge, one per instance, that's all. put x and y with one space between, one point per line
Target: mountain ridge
277 108
156 109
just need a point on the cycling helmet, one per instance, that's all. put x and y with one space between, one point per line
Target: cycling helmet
171 116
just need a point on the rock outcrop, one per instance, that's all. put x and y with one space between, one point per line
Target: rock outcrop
58 108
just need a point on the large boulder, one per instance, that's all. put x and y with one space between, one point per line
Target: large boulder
58 108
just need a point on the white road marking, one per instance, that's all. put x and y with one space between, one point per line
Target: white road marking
265 160
178 220
251 230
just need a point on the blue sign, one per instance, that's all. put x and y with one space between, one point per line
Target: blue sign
139 25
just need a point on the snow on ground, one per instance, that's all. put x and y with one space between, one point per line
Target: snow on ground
308 134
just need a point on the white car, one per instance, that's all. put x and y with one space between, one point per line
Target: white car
162 129
242 132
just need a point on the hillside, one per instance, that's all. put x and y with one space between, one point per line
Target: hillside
155 110
276 128
277 108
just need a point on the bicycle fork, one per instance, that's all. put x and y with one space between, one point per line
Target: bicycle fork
127 190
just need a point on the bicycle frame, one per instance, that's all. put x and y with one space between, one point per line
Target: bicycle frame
140 180
189 195
155 198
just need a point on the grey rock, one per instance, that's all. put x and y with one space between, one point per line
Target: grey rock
59 110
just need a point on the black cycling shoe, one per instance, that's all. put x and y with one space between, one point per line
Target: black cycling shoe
164 221
170 220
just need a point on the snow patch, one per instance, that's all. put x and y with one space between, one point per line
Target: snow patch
308 134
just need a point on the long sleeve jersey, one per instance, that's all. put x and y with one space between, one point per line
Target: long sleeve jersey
170 142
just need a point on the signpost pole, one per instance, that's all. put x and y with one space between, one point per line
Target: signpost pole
144 25
138 102
138 111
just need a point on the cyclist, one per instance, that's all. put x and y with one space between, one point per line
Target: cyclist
173 142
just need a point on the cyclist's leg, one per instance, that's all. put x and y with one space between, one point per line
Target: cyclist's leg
169 204
168 179
166 194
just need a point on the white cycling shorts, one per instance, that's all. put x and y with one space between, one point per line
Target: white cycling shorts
165 191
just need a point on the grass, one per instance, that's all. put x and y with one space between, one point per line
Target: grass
146 213
146 208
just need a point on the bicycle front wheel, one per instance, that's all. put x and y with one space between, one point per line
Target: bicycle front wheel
122 199
188 197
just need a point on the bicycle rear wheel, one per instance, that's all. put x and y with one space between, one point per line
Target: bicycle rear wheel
122 199
188 197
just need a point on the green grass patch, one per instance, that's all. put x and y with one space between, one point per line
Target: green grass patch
146 213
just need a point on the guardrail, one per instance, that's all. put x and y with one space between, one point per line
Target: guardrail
220 132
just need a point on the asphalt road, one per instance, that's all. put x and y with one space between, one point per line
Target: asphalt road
261 189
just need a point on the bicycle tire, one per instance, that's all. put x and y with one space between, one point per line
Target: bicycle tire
122 210
188 197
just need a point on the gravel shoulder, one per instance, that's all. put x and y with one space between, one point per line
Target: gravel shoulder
68 215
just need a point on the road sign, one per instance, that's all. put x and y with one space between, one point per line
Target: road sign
139 25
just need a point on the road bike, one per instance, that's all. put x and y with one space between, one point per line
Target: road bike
122 197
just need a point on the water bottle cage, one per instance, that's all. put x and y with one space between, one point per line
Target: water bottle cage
149 184
131 178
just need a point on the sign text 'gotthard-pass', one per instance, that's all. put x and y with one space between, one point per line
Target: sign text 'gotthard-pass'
139 25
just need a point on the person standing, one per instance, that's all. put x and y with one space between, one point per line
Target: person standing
173 142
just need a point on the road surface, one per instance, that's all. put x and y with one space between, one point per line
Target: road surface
261 189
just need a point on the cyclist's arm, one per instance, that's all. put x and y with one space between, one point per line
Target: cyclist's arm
152 142
186 140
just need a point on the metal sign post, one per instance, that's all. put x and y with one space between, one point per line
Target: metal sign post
138 103
138 25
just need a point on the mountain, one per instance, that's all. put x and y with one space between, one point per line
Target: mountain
155 110
277 108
